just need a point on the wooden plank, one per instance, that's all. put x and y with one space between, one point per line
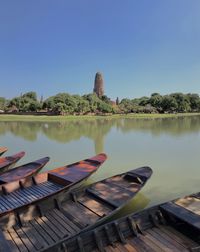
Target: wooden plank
45 189
24 239
6 203
64 223
171 239
22 199
42 189
17 240
162 239
111 249
69 224
84 215
190 203
38 191
53 185
72 218
132 248
94 205
151 243
46 226
32 190
111 194
162 244
10 241
28 195
182 213
4 245
42 232
35 190
4 207
125 247
34 237
179 237
58 228
22 202
123 184
119 180
139 245
11 201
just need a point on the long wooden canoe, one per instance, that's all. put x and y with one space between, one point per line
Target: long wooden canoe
23 171
3 150
173 226
9 161
27 191
53 219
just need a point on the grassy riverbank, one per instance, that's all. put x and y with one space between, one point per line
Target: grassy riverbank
70 117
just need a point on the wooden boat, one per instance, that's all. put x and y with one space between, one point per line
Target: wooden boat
9 161
3 150
26 191
170 227
23 171
45 224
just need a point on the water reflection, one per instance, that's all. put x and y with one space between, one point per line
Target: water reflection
140 201
97 129
169 146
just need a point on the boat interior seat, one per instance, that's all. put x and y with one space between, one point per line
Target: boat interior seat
58 179
134 178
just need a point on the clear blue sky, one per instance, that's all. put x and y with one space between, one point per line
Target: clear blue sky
140 46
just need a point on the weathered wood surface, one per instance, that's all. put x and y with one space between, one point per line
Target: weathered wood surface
79 210
143 235
21 193
23 171
169 227
39 233
9 161
190 203
3 150
183 211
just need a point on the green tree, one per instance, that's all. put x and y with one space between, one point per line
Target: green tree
93 101
182 101
104 107
49 103
194 101
2 103
156 100
32 95
169 104
105 99
83 105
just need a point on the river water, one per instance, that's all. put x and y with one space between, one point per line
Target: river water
170 146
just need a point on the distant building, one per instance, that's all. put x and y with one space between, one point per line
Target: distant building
98 85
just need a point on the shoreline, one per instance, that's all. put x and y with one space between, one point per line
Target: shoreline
82 117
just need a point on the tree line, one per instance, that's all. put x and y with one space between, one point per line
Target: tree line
64 103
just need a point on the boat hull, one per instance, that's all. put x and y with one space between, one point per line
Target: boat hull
9 161
23 171
3 150
45 186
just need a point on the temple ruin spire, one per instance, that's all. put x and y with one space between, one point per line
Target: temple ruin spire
98 85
